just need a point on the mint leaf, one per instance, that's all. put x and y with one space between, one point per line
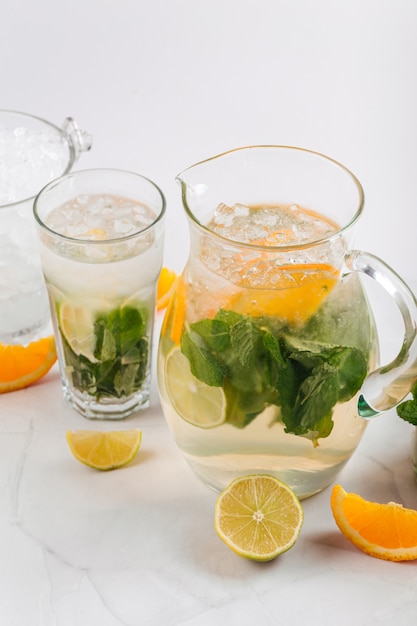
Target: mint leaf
228 317
203 363
214 332
283 376
331 376
316 397
351 367
121 355
245 340
407 410
241 407
127 325
246 364
259 365
105 348
79 370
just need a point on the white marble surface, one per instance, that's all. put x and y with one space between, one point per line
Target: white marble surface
161 84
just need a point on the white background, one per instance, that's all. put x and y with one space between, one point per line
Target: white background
161 84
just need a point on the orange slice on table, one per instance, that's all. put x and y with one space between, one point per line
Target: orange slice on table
386 531
165 287
20 366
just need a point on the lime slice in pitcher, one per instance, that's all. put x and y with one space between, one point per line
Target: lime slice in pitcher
197 403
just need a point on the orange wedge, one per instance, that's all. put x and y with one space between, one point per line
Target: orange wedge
165 287
386 531
20 366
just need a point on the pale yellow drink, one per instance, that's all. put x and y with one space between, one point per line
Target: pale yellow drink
101 245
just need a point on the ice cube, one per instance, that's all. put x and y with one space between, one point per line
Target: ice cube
29 160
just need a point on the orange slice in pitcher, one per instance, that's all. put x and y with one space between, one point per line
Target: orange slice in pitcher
175 316
296 293
165 287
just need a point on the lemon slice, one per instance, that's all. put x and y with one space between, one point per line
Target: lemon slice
197 403
77 328
258 517
104 450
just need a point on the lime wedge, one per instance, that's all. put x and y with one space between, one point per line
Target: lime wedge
104 450
77 328
197 403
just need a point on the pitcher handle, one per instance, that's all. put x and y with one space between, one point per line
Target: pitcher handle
80 139
388 385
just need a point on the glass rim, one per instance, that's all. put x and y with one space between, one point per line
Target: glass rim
95 242
60 131
276 247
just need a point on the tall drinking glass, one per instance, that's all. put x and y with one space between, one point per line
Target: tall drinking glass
101 247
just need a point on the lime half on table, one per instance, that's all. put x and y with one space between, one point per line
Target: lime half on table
197 403
258 517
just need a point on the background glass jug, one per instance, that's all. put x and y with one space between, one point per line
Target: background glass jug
268 343
32 152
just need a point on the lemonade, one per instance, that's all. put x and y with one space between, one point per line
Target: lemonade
261 357
101 255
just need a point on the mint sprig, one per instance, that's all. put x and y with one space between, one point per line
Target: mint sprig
259 365
407 410
121 350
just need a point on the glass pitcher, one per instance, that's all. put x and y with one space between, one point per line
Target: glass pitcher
32 153
268 351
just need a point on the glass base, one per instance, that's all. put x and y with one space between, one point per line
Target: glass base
107 409
218 472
